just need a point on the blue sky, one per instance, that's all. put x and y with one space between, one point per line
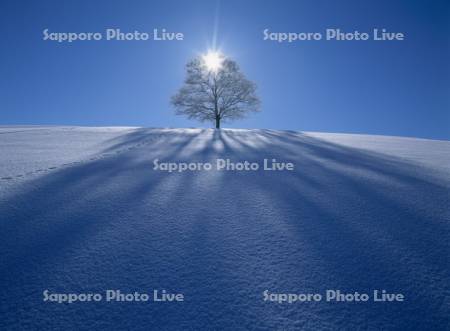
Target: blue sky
392 88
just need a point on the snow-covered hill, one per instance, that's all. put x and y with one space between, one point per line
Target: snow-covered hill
82 210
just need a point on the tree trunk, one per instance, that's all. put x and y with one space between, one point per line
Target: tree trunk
217 122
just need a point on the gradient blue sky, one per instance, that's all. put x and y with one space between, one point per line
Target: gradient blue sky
392 88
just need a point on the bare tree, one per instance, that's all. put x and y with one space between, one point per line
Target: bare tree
215 93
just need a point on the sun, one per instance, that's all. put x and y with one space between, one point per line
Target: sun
213 61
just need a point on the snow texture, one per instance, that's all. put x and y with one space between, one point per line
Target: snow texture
82 210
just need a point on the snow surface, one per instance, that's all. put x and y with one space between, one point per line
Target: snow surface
82 210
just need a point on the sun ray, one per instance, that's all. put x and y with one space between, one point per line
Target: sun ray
213 60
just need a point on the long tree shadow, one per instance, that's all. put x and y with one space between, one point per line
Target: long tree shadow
362 213
345 218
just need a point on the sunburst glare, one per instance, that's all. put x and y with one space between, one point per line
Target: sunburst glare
213 60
